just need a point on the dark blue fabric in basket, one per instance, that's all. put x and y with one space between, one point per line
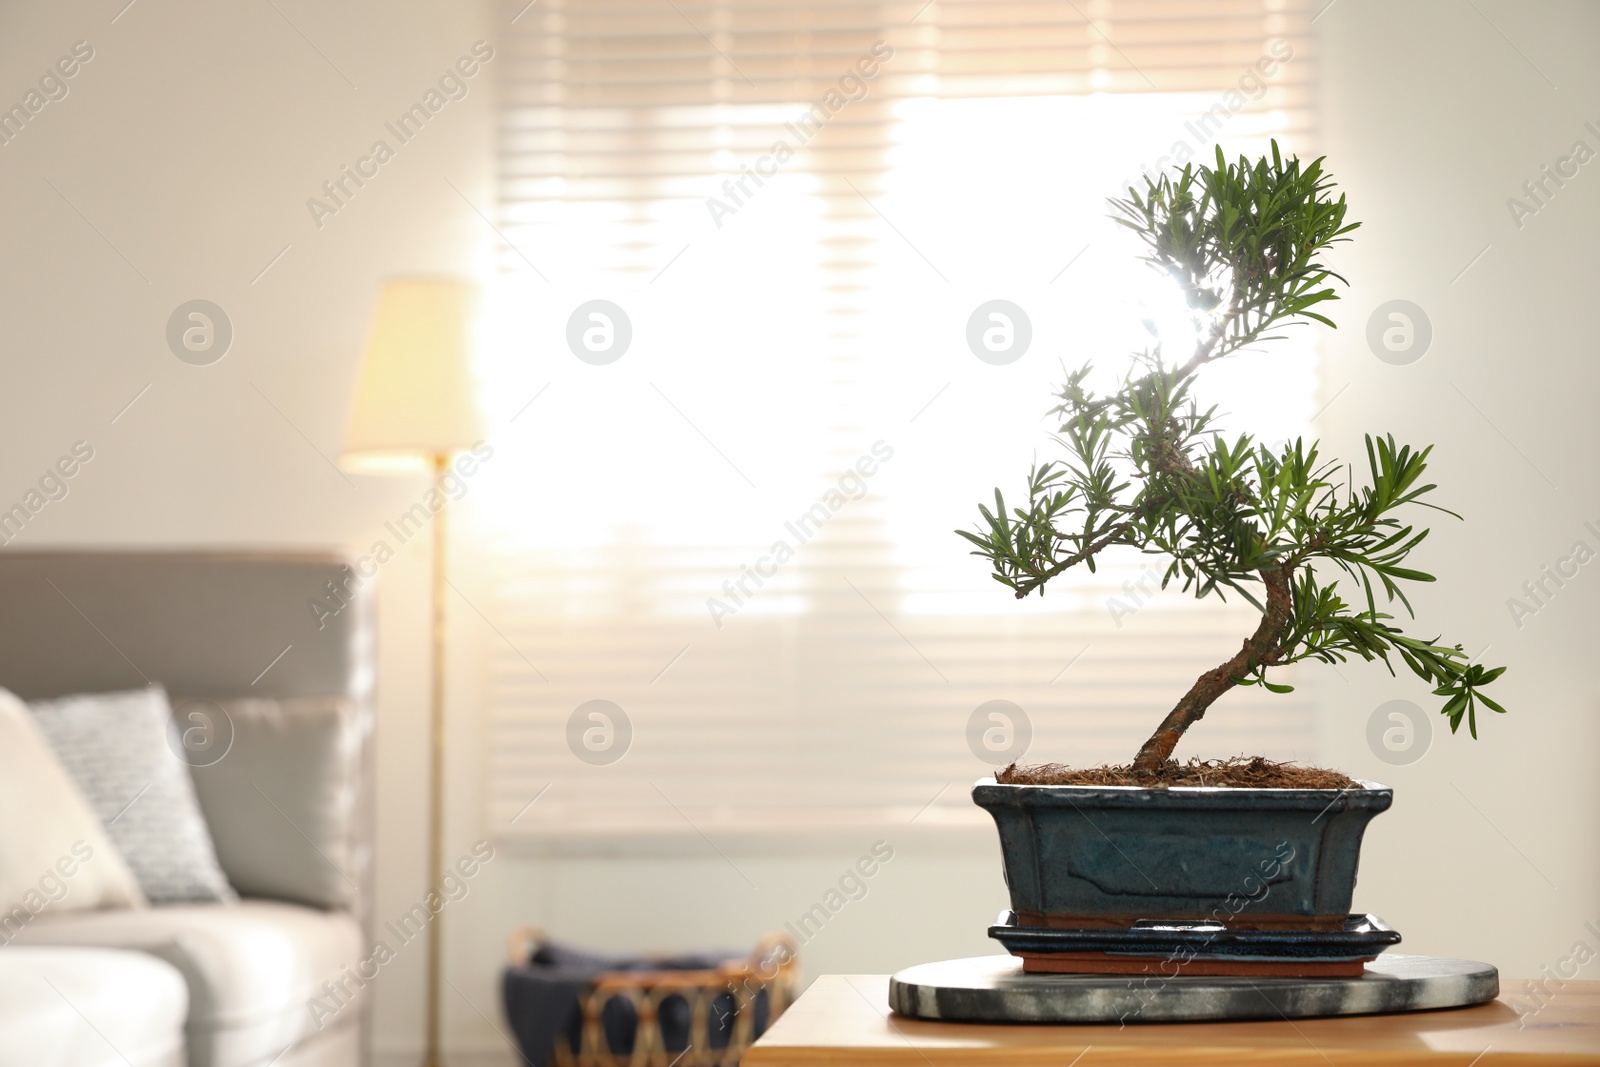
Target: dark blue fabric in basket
542 1002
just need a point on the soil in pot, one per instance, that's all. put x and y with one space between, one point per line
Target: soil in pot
1250 772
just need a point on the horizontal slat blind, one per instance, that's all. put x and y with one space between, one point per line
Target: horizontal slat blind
788 328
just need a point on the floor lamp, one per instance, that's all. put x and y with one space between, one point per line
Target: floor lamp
413 408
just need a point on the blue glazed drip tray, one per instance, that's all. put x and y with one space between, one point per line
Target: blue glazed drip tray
1363 937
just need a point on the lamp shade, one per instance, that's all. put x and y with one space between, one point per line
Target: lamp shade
414 398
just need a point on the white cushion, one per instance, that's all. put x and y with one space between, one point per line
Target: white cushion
54 854
120 749
254 969
87 1007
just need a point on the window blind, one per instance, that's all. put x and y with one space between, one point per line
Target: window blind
739 531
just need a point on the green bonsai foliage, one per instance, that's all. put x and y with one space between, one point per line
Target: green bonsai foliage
1277 527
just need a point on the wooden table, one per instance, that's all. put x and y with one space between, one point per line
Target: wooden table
845 1020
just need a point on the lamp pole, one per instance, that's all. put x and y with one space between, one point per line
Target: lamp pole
430 1056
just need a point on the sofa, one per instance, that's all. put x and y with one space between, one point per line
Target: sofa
277 977
90 1007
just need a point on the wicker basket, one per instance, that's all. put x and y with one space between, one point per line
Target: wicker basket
771 968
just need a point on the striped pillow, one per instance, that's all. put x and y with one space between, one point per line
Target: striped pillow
118 750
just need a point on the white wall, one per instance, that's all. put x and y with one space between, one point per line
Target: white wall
193 138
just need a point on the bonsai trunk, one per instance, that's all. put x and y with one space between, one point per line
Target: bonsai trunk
1259 649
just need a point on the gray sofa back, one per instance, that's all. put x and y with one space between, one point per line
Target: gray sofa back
219 625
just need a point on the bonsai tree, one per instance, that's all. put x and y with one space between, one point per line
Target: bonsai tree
1279 527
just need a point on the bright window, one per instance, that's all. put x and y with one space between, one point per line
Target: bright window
739 532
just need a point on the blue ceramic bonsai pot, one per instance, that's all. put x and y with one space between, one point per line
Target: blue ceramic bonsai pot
1110 856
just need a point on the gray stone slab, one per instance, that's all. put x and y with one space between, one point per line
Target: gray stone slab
994 989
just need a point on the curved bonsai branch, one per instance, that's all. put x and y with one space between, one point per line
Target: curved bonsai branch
1260 649
1038 577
